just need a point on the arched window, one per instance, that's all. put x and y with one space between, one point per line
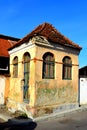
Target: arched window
15 67
26 62
48 66
67 68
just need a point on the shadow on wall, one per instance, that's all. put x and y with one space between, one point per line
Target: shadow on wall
18 124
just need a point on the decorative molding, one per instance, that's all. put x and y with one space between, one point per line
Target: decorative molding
24 46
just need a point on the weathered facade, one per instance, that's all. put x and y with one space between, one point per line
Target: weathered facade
44 72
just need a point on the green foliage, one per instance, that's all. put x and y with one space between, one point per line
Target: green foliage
24 115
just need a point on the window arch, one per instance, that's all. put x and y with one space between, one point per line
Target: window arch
67 68
26 61
15 67
48 66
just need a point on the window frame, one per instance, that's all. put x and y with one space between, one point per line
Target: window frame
67 68
26 63
26 73
48 70
15 67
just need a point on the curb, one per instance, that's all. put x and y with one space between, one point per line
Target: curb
49 116
61 114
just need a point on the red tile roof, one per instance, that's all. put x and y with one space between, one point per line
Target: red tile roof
50 33
5 43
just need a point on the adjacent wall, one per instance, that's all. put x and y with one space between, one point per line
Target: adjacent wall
2 89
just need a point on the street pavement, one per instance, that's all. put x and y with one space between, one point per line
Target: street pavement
75 119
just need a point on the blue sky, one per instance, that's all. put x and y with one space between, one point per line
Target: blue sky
20 17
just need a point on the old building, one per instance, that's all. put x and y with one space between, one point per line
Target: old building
44 72
5 43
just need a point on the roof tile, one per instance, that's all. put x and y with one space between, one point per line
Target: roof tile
5 43
50 33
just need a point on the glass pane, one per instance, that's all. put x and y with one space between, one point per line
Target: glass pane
48 66
15 67
67 66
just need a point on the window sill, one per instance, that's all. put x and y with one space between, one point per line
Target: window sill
66 79
48 78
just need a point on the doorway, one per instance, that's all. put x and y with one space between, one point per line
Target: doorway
26 77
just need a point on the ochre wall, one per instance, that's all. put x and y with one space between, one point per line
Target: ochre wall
16 86
7 88
56 91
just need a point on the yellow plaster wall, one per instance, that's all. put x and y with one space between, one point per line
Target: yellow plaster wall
7 87
64 91
16 86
